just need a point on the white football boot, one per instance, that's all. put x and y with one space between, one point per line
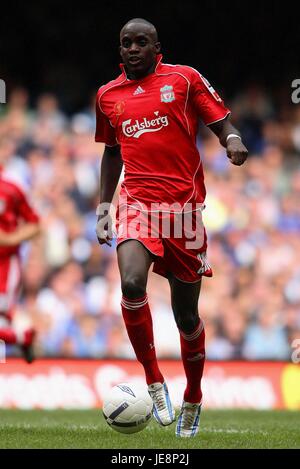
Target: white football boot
188 420
163 409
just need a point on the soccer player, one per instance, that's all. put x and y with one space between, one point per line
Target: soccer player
148 119
18 223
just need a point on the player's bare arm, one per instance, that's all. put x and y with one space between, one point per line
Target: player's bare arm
231 139
111 168
23 233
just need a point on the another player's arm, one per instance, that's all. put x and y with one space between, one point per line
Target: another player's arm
111 168
236 150
23 233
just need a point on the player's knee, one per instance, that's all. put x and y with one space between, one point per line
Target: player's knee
187 322
133 286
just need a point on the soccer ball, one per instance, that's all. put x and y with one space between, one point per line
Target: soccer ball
128 408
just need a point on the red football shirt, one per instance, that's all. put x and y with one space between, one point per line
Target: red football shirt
155 121
14 207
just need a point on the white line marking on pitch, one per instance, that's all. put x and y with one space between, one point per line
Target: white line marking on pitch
232 430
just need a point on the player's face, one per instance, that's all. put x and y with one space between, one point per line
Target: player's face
138 50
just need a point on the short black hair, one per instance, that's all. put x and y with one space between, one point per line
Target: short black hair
145 22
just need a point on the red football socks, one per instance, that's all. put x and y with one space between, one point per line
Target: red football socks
193 357
138 321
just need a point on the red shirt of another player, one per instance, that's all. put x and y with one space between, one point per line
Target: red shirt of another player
14 208
155 121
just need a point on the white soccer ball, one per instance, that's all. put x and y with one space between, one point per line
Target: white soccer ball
128 408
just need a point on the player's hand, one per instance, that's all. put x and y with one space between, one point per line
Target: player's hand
7 239
104 229
236 151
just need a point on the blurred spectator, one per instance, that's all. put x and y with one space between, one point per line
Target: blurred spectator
266 338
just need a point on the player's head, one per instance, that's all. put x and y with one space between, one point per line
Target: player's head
139 46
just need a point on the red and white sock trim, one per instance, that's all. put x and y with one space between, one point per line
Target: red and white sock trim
195 334
134 304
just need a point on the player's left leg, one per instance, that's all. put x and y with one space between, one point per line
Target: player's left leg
184 297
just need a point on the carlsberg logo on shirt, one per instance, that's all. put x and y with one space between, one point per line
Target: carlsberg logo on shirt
144 125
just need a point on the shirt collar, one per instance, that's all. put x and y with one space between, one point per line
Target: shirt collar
158 64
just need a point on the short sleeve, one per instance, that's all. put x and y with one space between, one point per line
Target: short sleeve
208 104
104 130
25 211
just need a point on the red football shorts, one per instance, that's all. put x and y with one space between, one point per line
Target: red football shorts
10 277
177 241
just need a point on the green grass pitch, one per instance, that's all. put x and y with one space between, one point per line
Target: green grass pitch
87 429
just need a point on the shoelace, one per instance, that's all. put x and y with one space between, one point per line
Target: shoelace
188 416
159 399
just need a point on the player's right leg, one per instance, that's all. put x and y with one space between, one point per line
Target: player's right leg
134 262
9 283
23 337
10 333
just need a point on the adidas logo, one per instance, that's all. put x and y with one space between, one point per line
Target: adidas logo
198 356
139 90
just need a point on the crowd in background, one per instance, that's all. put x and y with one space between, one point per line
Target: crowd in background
71 288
